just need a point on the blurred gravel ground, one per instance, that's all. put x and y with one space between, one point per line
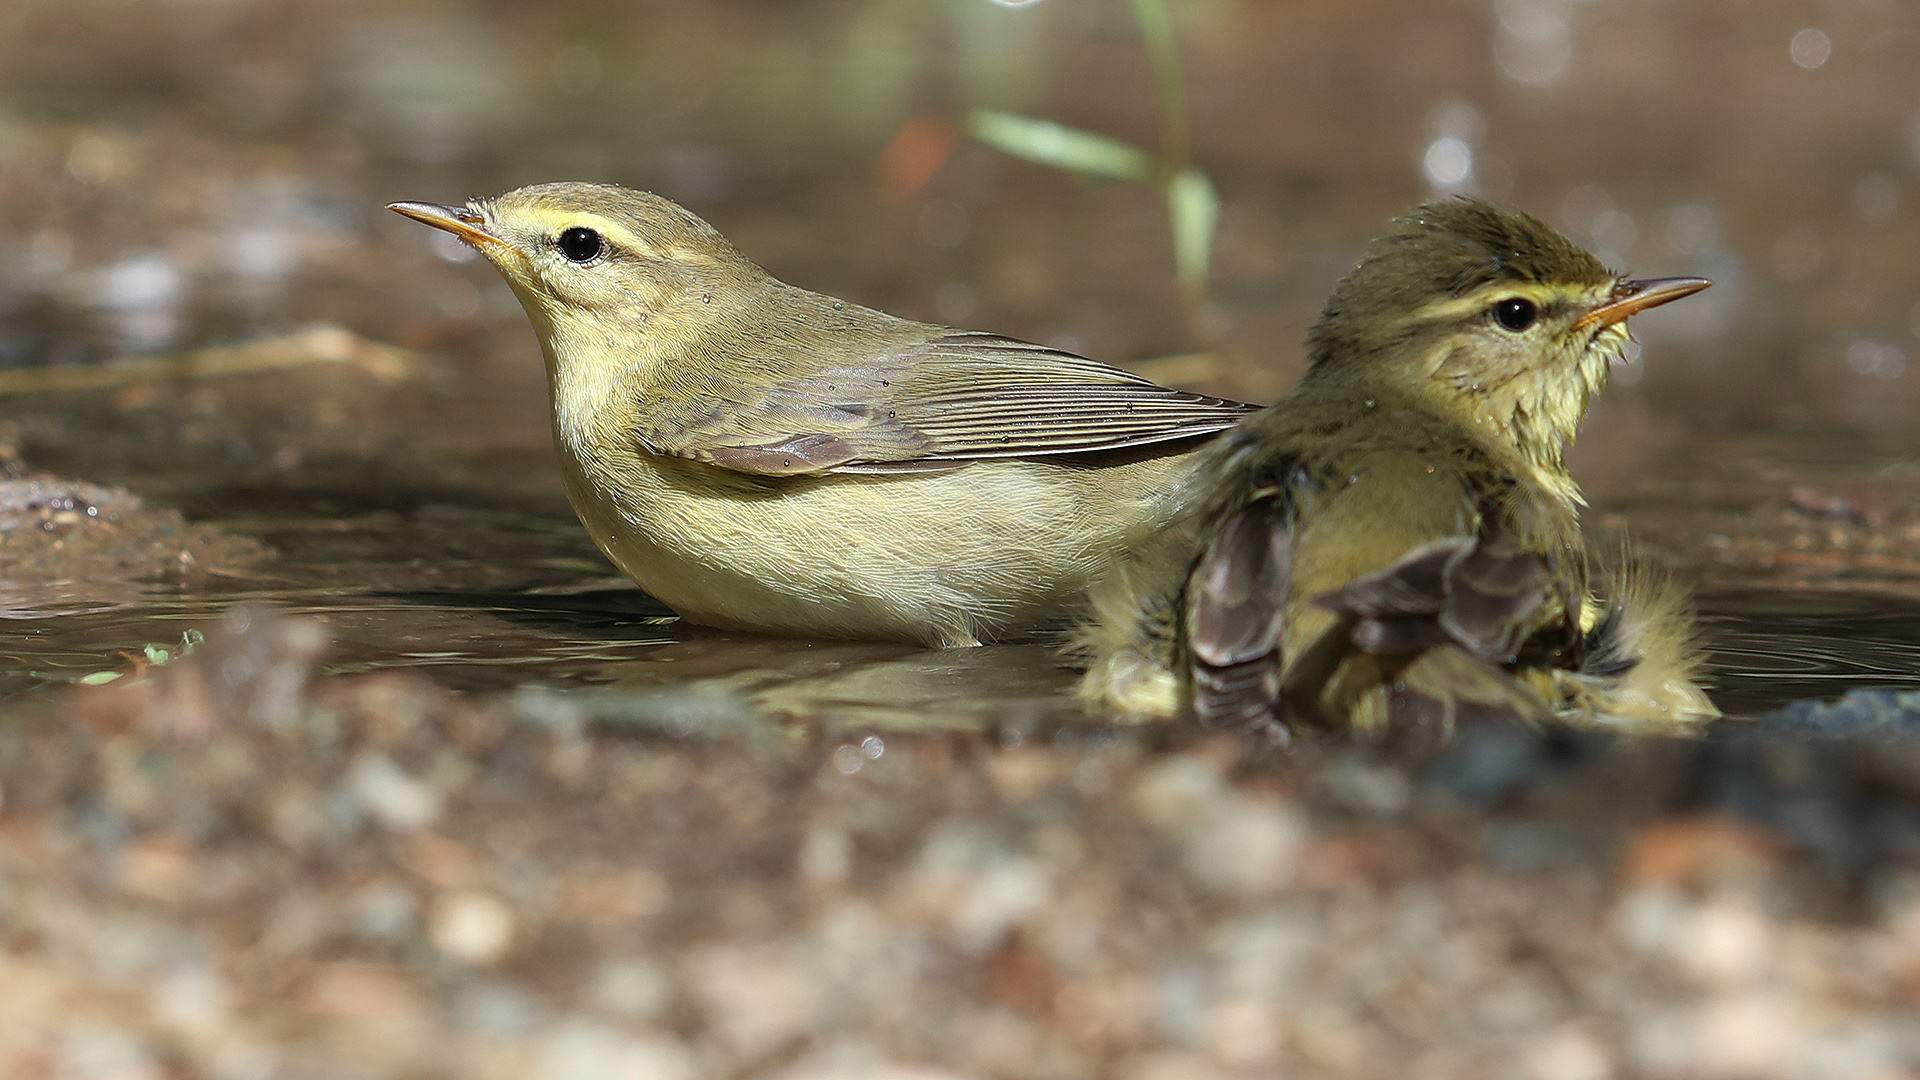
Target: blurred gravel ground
234 868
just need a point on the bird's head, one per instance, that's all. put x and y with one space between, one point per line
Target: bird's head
1487 314
595 263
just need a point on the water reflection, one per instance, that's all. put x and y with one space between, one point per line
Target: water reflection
539 623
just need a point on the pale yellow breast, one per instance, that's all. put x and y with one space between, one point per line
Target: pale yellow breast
947 558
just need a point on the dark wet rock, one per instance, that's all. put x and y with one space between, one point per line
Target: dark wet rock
58 530
1839 780
1484 763
1863 713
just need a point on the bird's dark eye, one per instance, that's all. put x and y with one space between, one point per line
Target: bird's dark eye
1515 313
580 245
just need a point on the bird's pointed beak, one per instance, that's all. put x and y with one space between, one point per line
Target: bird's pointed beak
1633 296
462 222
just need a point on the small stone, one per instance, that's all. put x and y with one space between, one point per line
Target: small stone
472 927
1699 850
606 896
1566 1053
157 868
1249 847
383 909
1179 793
395 799
193 999
758 997
1755 1036
1725 942
498 1009
631 987
1004 893
1169 1065
377 1001
582 1050
96 1052
1259 956
826 857
1242 1034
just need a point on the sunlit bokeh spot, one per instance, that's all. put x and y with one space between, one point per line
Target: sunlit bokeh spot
1449 159
1810 48
140 298
1614 233
1875 359
1448 162
1532 42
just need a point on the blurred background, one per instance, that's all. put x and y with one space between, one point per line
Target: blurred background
178 172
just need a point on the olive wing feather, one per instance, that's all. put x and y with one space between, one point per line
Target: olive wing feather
1236 599
937 405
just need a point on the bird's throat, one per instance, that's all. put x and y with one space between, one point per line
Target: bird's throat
1542 414
1536 412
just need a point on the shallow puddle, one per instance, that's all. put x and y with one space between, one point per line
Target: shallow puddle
491 599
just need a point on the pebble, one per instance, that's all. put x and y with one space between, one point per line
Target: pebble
582 1050
393 798
1246 846
472 927
1569 1052
758 997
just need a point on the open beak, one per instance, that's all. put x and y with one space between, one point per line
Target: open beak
1634 296
458 220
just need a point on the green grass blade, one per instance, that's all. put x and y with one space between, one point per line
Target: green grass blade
1062 147
1193 207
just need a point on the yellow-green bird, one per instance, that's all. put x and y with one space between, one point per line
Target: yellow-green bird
1398 541
760 457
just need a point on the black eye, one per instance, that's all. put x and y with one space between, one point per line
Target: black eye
580 245
1515 313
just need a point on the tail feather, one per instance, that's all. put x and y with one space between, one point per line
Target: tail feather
1644 662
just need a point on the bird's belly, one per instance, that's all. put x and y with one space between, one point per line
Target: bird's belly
942 559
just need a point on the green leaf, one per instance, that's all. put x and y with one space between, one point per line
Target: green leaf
1193 206
1059 146
98 678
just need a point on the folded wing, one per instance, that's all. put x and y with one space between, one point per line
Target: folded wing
936 405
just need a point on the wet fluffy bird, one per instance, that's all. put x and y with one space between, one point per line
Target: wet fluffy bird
761 457
1399 541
